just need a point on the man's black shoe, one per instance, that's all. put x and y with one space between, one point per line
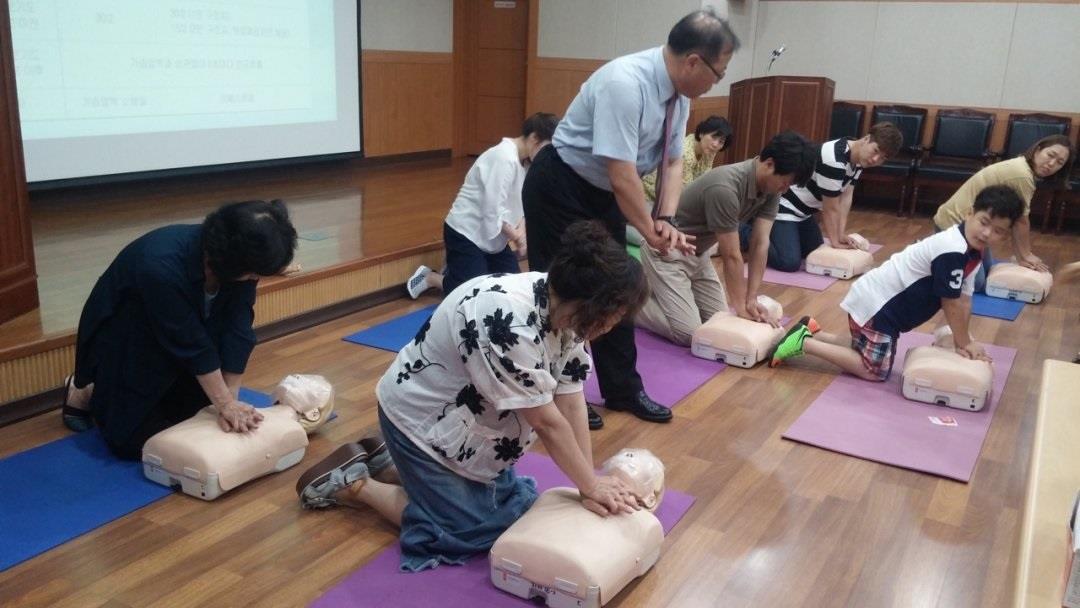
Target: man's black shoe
641 406
595 421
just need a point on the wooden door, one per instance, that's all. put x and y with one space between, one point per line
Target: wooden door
495 59
18 279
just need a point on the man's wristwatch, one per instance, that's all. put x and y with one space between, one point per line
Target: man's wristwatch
669 219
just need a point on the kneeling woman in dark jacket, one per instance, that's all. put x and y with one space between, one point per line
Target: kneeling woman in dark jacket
167 328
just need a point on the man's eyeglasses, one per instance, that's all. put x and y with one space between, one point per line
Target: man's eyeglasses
718 75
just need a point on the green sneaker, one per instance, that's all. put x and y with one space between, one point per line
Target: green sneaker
791 345
811 324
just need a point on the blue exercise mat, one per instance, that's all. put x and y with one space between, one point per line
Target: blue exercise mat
394 334
255 398
998 308
61 490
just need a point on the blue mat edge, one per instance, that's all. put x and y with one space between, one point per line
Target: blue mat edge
363 338
256 398
996 308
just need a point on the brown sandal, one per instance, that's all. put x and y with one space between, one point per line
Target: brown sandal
343 467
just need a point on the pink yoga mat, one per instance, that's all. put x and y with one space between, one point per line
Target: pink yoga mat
380 584
873 420
668 371
804 279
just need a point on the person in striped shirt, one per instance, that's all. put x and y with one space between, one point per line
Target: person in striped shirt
936 273
795 233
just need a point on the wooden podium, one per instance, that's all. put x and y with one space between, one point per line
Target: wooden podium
759 108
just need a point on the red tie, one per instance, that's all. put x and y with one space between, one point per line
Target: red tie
664 155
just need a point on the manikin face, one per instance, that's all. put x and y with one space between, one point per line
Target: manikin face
982 230
1050 160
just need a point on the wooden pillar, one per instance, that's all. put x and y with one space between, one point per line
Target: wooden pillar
18 278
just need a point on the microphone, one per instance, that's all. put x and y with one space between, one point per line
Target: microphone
775 55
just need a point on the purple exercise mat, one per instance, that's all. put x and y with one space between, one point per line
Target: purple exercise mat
380 584
873 420
804 279
668 371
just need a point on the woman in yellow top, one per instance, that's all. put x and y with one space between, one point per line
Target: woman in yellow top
1050 159
711 136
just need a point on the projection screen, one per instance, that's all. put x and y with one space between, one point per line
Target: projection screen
115 87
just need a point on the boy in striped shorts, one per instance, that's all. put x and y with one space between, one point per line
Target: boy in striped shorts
936 273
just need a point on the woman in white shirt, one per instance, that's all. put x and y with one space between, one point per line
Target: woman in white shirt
486 216
500 362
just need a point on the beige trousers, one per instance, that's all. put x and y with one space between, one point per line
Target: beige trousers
685 292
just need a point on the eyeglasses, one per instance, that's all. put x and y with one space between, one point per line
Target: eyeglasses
719 76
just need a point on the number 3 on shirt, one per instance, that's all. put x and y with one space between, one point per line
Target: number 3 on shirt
957 279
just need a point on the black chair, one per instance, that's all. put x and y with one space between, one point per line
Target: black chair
960 149
1026 129
912 123
846 120
1023 131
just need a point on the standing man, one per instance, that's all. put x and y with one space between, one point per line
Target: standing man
628 119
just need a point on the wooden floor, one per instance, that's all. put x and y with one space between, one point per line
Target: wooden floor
343 212
776 523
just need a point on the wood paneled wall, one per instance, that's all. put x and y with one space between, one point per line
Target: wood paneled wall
553 82
408 101
18 279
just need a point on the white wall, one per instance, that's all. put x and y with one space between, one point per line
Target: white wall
407 25
990 54
605 29
1042 70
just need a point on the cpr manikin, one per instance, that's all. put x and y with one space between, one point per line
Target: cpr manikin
1015 282
205 461
563 553
938 374
841 263
737 341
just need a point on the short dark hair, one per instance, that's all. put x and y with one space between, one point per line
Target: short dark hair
248 237
705 33
542 124
595 271
715 124
1059 178
999 201
888 138
791 153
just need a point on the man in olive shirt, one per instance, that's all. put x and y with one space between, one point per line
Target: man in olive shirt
686 290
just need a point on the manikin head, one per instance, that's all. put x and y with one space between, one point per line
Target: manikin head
311 396
642 471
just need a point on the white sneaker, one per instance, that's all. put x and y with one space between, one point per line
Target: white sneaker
417 283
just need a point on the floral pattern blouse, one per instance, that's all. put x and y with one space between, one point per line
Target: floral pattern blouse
692 168
487 352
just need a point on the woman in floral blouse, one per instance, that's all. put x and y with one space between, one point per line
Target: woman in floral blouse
496 366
